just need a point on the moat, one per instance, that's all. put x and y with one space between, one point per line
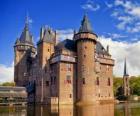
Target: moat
124 109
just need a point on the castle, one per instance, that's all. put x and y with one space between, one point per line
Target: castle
71 71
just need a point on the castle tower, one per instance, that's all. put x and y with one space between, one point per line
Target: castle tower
45 49
46 45
126 88
24 49
86 42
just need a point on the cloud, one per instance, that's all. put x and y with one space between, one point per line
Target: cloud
91 6
108 5
128 15
120 50
115 35
6 73
65 34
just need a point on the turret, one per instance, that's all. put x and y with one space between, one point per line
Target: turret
126 87
24 49
86 42
45 45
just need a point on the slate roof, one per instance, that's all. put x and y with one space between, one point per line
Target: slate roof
85 25
125 69
48 36
25 37
71 45
100 49
67 44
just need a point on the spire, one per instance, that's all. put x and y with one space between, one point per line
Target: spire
125 69
27 22
85 25
26 37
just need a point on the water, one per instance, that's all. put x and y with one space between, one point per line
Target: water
125 109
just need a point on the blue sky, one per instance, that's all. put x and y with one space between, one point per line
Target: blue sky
59 14
115 21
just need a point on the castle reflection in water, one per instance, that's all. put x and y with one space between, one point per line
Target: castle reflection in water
96 110
125 109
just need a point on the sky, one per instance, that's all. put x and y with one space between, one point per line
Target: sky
116 22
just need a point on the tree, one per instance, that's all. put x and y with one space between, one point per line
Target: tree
8 84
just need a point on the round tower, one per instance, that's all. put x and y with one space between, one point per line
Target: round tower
86 43
24 49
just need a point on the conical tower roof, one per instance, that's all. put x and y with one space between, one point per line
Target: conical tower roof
125 69
85 25
26 37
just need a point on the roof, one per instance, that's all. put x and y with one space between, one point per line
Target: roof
9 88
67 44
13 94
85 25
100 49
70 45
48 35
26 36
125 69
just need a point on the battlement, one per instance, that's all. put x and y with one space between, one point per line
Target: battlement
85 35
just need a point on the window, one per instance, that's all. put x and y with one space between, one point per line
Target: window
53 80
45 69
97 81
47 83
84 81
68 66
70 96
84 55
109 94
108 81
68 79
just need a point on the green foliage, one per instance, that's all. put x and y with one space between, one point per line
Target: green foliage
134 85
8 84
117 82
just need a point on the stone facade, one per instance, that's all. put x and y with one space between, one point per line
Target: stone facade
68 72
